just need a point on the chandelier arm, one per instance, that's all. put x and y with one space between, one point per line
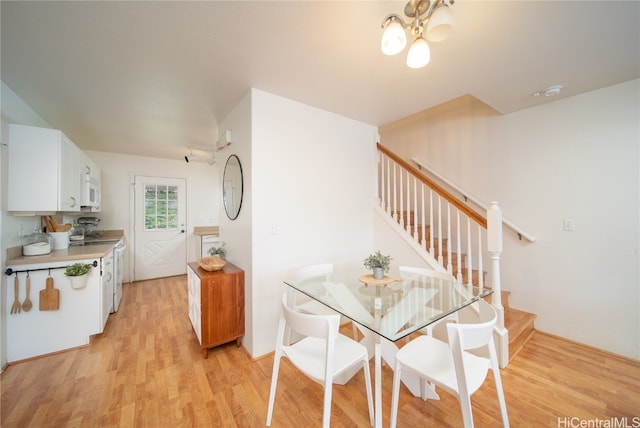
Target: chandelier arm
391 17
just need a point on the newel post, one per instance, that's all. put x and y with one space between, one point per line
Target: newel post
494 246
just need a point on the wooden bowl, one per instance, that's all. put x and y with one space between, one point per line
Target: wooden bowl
211 263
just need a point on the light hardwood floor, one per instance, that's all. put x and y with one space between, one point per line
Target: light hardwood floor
147 370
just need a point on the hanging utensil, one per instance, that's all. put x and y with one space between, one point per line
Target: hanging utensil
15 308
27 305
49 297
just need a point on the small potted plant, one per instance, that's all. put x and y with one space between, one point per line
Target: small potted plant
378 263
77 274
219 251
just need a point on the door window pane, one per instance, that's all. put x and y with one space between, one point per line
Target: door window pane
161 207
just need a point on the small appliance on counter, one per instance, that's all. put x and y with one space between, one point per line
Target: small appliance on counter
37 244
89 225
76 235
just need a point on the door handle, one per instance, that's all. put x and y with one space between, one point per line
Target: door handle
182 231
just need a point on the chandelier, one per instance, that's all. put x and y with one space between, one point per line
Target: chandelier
428 20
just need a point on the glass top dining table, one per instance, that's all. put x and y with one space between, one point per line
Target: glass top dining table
401 303
386 310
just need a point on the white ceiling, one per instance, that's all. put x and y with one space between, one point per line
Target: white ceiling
153 77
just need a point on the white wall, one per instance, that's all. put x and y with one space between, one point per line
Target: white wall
311 177
575 158
237 233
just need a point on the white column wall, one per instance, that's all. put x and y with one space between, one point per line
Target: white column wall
311 178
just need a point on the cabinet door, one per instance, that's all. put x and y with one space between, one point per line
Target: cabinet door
71 164
223 299
193 298
34 155
107 288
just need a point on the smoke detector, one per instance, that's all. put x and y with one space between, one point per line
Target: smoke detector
549 92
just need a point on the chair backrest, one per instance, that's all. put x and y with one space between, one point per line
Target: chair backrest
323 326
473 336
412 274
313 271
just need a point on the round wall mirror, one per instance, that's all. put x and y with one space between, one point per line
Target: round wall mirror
232 187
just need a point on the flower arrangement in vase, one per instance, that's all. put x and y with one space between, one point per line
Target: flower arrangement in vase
219 251
378 263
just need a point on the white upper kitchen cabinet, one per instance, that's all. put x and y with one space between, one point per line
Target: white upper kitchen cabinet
44 170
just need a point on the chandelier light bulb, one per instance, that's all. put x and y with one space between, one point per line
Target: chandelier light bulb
419 54
394 38
441 24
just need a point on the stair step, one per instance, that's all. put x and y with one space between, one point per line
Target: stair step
521 326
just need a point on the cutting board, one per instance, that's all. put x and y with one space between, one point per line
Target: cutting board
49 297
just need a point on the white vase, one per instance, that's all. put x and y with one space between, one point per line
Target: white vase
78 281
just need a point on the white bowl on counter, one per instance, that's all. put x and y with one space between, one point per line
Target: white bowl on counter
36 249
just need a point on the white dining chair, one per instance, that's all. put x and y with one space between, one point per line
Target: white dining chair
450 366
322 272
322 355
305 304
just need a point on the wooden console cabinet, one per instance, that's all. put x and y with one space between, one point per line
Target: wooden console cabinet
216 305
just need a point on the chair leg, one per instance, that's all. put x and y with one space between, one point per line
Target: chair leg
500 392
326 413
397 374
367 385
274 384
465 407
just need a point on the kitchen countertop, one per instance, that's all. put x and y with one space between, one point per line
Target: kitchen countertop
74 252
206 230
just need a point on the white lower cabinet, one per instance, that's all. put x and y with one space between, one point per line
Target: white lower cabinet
107 280
36 332
193 298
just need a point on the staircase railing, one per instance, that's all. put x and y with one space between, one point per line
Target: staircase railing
522 234
447 229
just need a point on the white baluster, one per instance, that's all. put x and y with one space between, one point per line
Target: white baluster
401 197
388 180
440 258
469 256
379 181
415 209
494 245
431 228
449 265
423 243
480 266
395 193
459 248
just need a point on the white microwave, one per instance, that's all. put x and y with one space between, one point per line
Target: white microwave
90 196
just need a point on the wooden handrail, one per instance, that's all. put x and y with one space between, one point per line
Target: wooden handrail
481 220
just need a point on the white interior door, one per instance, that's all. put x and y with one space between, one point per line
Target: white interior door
159 235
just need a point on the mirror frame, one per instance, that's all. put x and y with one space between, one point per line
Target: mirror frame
231 215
